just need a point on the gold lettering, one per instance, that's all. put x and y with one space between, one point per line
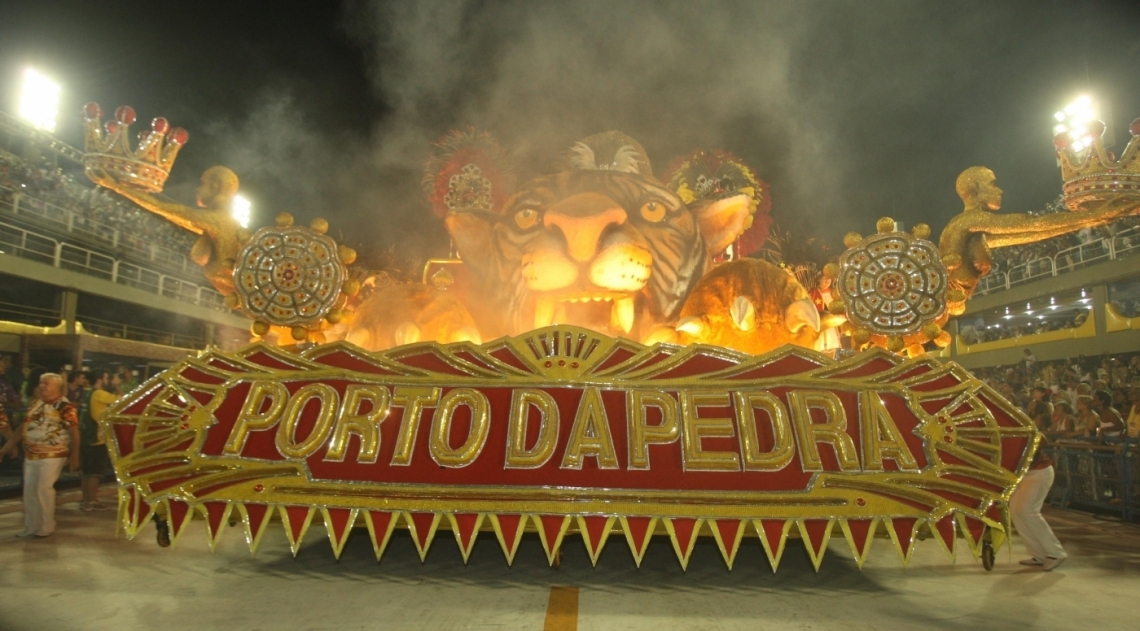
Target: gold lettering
287 442
832 432
441 450
591 434
641 433
695 428
413 400
367 426
518 456
880 436
252 418
783 447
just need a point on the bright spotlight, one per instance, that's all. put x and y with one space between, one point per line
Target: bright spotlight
1075 121
39 100
240 209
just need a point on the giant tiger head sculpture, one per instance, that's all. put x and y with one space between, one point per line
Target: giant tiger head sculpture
600 244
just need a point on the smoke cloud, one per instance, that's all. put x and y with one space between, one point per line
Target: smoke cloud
850 110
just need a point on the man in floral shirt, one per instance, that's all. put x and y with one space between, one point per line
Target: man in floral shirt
48 433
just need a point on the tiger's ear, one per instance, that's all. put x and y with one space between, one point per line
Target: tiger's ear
723 221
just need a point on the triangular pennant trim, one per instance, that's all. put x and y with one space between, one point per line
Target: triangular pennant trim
256 518
509 531
217 516
946 532
728 534
551 530
595 531
860 535
815 533
903 531
973 530
773 536
338 525
178 516
422 527
638 532
296 520
381 525
466 529
683 533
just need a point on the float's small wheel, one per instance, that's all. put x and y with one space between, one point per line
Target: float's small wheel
988 555
162 536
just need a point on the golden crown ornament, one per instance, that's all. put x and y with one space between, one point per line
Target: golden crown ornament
109 150
1094 174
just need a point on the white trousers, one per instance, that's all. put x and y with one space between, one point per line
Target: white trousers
1025 509
39 494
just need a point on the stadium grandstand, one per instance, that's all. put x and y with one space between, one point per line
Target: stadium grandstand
90 279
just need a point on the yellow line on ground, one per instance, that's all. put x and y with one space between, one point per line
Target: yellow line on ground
562 609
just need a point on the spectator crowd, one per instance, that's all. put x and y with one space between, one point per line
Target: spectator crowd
1093 398
978 331
96 210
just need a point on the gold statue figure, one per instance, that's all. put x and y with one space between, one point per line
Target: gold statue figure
966 241
219 234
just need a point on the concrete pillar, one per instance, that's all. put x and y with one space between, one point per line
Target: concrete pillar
211 333
1100 301
68 307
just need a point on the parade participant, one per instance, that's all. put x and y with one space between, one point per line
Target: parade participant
1025 510
105 390
50 435
822 296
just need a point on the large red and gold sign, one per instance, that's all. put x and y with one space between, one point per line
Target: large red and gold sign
566 430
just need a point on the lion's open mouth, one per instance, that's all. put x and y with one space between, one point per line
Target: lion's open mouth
596 310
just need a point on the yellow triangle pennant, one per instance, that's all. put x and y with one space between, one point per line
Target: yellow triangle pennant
422 527
296 520
509 530
683 533
466 529
638 532
256 518
903 532
860 535
551 530
381 525
595 531
815 534
728 534
773 536
338 524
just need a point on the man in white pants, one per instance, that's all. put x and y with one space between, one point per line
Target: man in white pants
49 432
1025 509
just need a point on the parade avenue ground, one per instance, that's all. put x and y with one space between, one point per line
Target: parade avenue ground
85 577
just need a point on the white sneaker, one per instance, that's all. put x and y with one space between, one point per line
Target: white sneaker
1033 561
1052 563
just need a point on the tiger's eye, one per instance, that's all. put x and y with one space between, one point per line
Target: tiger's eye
526 218
653 211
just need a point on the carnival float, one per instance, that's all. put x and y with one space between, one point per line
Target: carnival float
598 356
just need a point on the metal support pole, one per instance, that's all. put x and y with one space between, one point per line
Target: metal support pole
69 307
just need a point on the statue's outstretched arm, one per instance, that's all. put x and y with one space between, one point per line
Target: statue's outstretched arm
1018 229
175 213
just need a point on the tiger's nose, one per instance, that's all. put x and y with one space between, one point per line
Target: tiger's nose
582 218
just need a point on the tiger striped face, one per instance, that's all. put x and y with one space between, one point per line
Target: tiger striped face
611 251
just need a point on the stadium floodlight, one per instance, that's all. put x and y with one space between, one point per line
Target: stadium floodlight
1075 121
240 209
39 100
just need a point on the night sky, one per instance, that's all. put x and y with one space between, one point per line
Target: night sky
851 110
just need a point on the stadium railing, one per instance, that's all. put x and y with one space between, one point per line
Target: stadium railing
1119 245
26 244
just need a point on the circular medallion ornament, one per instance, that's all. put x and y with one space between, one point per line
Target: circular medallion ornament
289 276
892 284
